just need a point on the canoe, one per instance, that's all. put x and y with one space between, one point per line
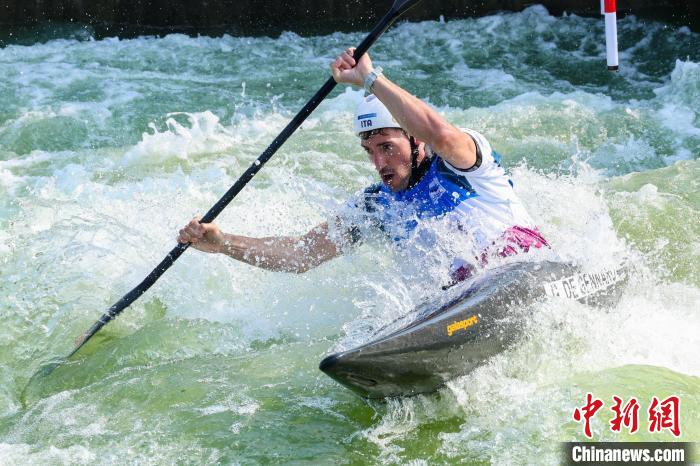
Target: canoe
472 322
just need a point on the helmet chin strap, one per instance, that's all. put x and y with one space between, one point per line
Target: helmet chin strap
416 173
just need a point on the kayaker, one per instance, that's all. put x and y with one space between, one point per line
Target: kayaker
429 169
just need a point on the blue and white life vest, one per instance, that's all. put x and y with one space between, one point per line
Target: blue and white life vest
480 201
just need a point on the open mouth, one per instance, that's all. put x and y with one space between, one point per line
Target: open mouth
387 177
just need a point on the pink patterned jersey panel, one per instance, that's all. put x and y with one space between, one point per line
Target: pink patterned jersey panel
515 240
521 238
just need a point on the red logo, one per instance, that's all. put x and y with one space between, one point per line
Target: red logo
627 416
592 406
663 415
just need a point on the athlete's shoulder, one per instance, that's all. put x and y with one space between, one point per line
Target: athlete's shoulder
488 162
480 140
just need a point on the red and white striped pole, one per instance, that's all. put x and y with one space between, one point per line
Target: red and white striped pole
609 9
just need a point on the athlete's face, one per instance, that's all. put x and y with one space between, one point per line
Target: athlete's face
390 151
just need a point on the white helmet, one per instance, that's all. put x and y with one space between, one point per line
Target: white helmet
372 114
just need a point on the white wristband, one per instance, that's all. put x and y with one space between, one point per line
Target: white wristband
371 78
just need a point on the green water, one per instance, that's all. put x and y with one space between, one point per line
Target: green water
108 146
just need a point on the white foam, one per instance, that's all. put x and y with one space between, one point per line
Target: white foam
13 454
204 135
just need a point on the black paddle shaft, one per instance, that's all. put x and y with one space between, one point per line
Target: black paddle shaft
397 9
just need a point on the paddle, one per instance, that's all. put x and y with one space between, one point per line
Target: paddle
397 9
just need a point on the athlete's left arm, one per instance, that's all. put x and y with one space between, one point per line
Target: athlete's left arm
427 125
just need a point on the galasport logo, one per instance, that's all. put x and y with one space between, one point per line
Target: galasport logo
462 325
661 415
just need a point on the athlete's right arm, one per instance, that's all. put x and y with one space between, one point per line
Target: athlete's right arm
281 254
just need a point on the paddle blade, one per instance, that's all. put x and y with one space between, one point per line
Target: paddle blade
80 340
34 388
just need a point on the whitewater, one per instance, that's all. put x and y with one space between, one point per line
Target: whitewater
108 146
